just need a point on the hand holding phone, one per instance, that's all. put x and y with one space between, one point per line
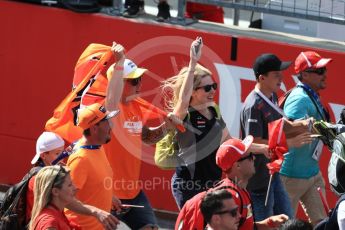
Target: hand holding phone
198 45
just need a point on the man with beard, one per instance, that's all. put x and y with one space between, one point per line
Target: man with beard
300 172
91 172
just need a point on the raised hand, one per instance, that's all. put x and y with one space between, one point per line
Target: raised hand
118 51
195 49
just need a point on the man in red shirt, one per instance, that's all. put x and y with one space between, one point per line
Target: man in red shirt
237 163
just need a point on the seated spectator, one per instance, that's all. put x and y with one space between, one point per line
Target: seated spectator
220 210
136 7
53 191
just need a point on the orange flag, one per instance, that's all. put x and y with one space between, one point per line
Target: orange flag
92 63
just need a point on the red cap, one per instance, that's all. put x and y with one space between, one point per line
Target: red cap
231 151
310 60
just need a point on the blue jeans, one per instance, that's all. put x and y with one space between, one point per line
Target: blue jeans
137 218
278 201
183 190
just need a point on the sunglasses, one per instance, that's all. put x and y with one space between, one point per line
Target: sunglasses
208 88
233 212
135 81
319 71
250 156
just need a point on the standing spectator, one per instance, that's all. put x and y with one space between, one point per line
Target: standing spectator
90 170
193 102
48 146
300 170
124 151
53 191
220 211
236 160
260 108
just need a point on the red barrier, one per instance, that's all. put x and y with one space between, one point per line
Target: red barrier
40 46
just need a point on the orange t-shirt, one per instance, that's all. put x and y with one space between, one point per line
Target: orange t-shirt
124 150
92 176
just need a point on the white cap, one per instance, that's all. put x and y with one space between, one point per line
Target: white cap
46 142
130 70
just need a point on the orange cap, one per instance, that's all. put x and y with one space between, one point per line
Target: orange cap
92 114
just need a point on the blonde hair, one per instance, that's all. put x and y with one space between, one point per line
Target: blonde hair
47 178
172 86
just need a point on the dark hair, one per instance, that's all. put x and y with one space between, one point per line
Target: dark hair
213 202
296 224
87 132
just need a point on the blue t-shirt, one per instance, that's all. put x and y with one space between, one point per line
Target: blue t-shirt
299 162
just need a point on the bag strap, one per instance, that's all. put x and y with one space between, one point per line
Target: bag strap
27 178
324 113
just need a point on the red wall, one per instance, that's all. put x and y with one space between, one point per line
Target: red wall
40 46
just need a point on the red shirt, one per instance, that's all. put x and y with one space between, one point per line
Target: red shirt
30 198
242 199
190 216
51 218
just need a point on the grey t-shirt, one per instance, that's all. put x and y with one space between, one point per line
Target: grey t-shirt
255 115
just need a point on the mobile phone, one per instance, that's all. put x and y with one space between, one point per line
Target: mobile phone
197 47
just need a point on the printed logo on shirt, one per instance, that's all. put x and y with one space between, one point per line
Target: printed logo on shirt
133 127
200 122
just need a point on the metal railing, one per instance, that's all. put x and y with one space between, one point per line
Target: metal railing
331 11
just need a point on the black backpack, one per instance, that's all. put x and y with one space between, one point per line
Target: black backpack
331 222
13 208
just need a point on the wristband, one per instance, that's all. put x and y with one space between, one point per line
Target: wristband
118 68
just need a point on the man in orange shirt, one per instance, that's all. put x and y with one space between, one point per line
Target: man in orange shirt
124 151
90 170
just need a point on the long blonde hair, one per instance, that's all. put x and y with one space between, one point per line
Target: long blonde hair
172 86
47 178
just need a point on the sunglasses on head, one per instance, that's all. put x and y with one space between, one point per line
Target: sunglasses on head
57 175
208 88
319 71
250 156
135 81
233 212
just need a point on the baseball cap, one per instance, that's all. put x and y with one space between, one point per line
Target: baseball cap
310 60
269 62
130 70
231 151
46 142
92 114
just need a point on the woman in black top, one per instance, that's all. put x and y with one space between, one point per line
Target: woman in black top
193 92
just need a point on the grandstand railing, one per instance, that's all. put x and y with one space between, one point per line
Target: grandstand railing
331 11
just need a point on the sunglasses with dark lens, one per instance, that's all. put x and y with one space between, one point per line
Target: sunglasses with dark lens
319 71
208 88
250 156
135 81
233 212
